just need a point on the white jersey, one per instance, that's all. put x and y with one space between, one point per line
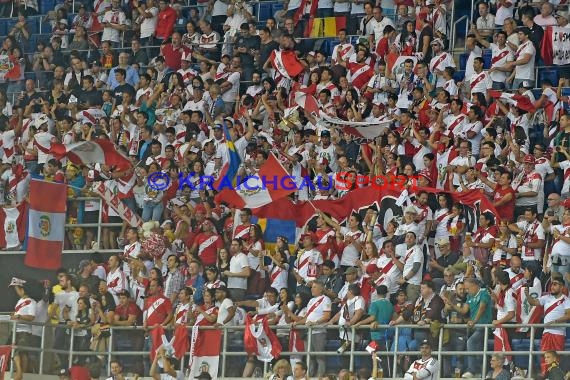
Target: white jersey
508 304
307 264
413 255
424 369
116 283
554 309
25 307
316 308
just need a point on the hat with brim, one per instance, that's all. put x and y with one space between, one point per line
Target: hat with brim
17 282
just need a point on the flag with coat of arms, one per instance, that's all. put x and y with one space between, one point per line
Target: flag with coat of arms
46 224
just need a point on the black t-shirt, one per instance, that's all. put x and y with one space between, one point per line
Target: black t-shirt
250 43
121 89
265 51
89 98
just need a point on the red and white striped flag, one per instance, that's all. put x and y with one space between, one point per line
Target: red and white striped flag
13 220
92 152
113 201
272 182
205 347
91 115
286 63
260 340
46 224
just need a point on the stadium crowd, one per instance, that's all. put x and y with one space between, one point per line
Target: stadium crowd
198 75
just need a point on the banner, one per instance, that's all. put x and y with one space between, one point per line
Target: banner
5 352
555 47
115 203
260 340
13 220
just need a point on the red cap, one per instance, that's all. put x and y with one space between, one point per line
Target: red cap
311 236
372 268
425 173
200 208
529 159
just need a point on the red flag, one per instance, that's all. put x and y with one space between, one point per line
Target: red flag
92 152
13 221
260 340
547 48
205 346
5 353
271 183
46 224
180 341
516 100
156 339
286 63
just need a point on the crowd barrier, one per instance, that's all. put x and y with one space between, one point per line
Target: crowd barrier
525 351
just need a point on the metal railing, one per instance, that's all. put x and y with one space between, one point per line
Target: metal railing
99 226
233 334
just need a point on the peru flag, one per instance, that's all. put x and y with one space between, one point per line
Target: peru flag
177 346
260 340
92 152
205 347
5 353
286 63
46 224
271 183
14 222
519 101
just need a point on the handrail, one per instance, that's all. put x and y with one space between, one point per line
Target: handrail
454 31
440 352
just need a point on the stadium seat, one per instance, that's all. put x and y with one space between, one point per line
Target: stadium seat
46 6
487 55
463 60
459 75
34 24
276 8
565 91
3 31
264 12
549 74
537 92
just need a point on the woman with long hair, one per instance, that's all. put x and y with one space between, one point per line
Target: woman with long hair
455 225
223 263
281 370
292 315
369 255
481 242
440 219
84 319
505 246
255 247
212 278
407 39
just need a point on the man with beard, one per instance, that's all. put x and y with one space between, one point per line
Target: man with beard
556 310
256 88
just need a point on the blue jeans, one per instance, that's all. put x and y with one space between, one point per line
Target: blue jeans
152 211
475 343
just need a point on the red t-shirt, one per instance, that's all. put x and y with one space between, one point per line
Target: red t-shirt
507 210
131 309
79 373
173 56
208 246
165 24
156 309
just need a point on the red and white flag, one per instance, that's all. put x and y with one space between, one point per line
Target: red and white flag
13 221
92 152
516 100
205 347
260 340
272 182
286 63
5 353
296 343
177 346
46 224
525 313
113 201
91 115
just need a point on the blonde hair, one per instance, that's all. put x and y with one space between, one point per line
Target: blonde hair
282 363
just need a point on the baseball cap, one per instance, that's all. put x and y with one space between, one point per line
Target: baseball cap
410 210
325 133
525 84
437 41
310 236
442 241
529 159
371 268
83 264
17 282
425 342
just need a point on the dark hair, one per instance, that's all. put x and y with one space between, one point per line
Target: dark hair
121 71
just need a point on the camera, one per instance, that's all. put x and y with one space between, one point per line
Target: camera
343 347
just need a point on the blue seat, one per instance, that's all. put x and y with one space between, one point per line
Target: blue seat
537 92
463 60
276 8
565 91
550 74
46 6
459 75
264 12
3 30
34 24
487 55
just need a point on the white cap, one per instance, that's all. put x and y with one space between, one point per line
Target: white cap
40 120
205 142
437 41
17 282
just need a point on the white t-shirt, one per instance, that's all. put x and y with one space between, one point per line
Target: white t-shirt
525 71
316 308
230 95
461 161
413 255
113 17
499 58
223 310
237 264
350 254
148 26
509 305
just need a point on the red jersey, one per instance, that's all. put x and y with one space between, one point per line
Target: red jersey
208 246
507 210
156 309
131 309
173 56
